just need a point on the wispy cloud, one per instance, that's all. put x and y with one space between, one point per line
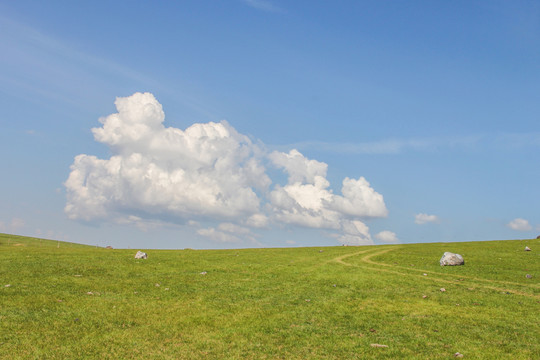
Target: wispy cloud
396 146
52 68
13 227
422 219
518 140
263 5
387 236
39 51
388 146
519 225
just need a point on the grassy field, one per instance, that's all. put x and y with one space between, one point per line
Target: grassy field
69 301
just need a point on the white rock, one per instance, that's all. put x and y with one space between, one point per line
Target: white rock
451 259
527 248
141 255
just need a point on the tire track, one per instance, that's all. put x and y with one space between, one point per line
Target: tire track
339 259
367 259
376 266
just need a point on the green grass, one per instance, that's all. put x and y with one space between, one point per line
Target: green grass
69 301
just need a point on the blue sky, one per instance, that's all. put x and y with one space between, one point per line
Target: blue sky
285 123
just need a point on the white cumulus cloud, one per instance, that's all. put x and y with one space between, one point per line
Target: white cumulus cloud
217 235
299 168
387 237
208 173
359 199
308 201
422 219
228 232
206 170
355 233
519 225
257 221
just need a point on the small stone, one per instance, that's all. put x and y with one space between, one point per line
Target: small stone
308 300
334 285
528 276
8 285
379 346
527 248
458 355
157 285
443 289
424 274
89 293
141 255
320 251
424 296
203 273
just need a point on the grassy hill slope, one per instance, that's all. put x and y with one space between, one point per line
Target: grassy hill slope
74 301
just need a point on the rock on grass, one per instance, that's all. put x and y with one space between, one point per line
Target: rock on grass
451 259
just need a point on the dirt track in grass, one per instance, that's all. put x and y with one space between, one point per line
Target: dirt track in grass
464 280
